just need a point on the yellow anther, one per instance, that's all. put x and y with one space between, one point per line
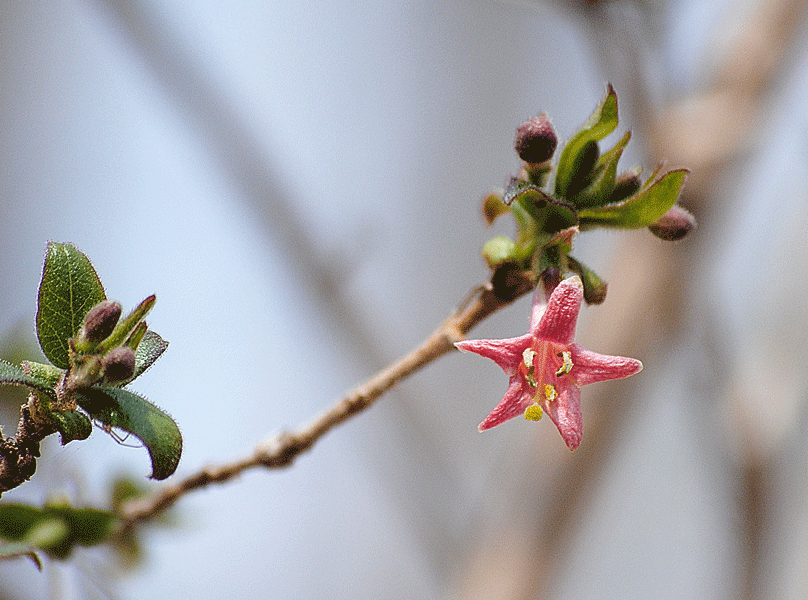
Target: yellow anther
550 392
567 366
533 412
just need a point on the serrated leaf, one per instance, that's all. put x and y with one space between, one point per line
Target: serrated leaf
71 425
117 407
600 124
70 287
641 209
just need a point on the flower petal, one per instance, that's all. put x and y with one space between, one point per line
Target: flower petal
518 397
591 367
557 323
506 353
565 412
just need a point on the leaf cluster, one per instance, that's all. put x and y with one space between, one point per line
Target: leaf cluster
93 355
553 203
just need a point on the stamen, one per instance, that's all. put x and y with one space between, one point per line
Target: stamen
550 392
527 357
567 366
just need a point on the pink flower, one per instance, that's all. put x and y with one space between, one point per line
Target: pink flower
546 367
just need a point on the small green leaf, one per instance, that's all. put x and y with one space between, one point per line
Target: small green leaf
70 287
47 374
14 375
71 425
117 407
150 348
643 208
550 215
594 287
600 124
56 528
600 189
126 326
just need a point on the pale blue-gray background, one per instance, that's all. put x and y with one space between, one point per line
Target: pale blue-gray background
299 184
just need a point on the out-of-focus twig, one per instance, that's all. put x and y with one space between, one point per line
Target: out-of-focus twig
281 450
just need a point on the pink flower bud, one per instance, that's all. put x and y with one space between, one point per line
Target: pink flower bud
674 224
119 364
535 140
100 321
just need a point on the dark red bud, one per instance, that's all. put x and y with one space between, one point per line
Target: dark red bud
582 169
119 364
627 184
100 321
674 224
535 140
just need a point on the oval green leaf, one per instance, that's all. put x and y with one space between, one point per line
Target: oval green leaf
55 528
70 287
641 209
14 375
71 425
117 407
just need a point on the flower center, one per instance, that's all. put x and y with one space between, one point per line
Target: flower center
542 364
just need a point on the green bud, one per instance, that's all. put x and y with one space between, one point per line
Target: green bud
499 250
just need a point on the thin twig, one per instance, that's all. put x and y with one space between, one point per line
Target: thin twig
281 450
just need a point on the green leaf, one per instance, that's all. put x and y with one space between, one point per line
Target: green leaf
649 204
117 407
71 425
47 374
70 287
14 375
150 348
56 528
602 185
550 215
600 124
594 287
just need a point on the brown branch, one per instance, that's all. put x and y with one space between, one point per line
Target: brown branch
281 450
18 454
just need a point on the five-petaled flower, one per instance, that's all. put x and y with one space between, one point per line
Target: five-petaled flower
546 367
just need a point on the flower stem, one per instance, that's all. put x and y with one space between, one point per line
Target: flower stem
281 450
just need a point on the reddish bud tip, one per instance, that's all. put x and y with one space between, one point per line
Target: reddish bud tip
100 321
674 224
535 140
119 364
